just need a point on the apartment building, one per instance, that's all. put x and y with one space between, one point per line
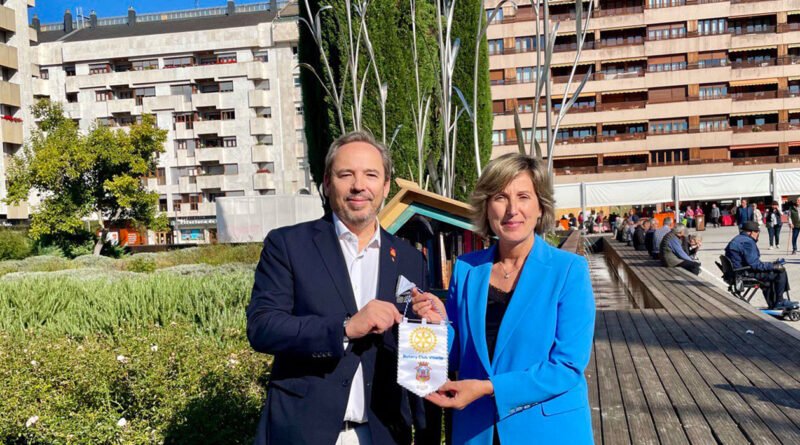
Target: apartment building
224 81
15 91
677 86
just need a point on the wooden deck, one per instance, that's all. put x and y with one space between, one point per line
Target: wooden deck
704 368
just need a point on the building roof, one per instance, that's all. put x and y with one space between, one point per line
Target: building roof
144 28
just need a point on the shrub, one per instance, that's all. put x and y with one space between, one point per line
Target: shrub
169 384
14 245
141 265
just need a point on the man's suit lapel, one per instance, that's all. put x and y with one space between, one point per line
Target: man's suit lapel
527 294
331 254
387 272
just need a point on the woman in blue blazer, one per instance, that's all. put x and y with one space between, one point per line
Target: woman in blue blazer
522 316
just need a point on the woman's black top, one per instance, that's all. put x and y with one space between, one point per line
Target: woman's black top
495 310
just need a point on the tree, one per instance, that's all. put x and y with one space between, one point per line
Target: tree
97 175
389 29
465 28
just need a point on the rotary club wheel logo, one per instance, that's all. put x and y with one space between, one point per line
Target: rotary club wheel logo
423 340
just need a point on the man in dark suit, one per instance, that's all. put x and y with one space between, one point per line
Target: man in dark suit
324 305
744 213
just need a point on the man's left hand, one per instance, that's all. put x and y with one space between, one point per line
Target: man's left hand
461 393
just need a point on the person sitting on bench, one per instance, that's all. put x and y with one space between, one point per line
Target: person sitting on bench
743 252
659 236
639 234
672 253
650 236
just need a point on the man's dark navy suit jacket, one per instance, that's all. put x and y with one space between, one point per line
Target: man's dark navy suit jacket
301 297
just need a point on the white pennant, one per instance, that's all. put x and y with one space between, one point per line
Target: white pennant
422 356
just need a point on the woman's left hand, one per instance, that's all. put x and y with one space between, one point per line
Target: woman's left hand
461 393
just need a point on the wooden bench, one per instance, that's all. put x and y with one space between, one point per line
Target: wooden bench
704 368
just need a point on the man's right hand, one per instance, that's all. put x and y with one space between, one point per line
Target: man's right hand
376 317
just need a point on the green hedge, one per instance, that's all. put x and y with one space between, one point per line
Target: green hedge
169 384
83 348
14 245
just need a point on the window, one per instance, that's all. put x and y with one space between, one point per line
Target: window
226 58
141 93
669 156
140 65
713 91
712 26
182 90
497 18
261 56
496 46
229 142
161 176
227 115
668 31
667 63
268 112
265 139
177 62
181 144
102 96
72 98
297 81
668 126
162 205
714 123
69 70
124 94
524 44
44 74
99 68
525 74
498 137
294 50
298 109
225 87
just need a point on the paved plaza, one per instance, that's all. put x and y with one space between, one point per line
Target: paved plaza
714 242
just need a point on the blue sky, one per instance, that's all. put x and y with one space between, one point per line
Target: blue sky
51 11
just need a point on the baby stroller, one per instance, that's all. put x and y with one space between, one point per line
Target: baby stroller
743 286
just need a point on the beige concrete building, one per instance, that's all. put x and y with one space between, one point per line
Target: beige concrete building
677 87
224 82
16 38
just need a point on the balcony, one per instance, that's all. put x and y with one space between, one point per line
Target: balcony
158 103
264 181
21 211
197 209
219 127
622 137
7 19
33 35
564 171
618 11
618 168
9 94
755 128
184 131
613 106
222 155
8 57
183 158
12 132
259 98
121 106
263 153
755 160
188 184
260 126
205 182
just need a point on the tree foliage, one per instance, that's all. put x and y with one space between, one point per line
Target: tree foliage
465 28
78 176
390 31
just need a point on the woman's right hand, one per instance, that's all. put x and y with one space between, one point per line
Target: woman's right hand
428 306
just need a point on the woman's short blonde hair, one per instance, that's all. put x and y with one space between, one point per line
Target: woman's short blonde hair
498 174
